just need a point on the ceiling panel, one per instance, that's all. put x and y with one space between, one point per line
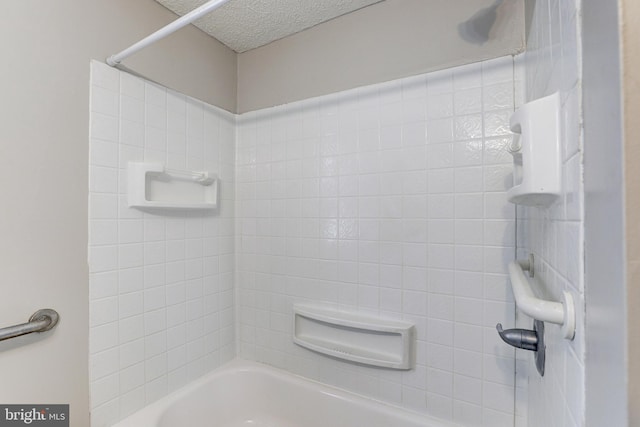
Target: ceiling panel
247 24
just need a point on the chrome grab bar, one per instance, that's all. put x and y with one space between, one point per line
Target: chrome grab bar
40 321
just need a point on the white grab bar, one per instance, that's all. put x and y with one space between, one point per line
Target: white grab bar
561 313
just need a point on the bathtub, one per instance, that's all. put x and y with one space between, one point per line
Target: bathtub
248 394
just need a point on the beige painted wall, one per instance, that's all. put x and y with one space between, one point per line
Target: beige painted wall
631 95
386 41
46 48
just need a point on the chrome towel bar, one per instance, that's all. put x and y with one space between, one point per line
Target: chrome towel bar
40 321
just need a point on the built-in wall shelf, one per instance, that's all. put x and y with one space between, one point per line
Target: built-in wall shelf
355 337
152 185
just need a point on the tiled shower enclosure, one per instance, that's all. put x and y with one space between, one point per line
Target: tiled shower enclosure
387 200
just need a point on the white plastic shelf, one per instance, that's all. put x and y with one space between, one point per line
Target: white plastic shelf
536 153
152 185
355 337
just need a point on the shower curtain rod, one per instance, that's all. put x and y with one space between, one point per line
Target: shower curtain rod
183 21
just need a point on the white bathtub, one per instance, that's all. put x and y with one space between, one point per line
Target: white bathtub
243 394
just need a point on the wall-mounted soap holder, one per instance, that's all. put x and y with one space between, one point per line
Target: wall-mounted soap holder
355 337
536 153
152 185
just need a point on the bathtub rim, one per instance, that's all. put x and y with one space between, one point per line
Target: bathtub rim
151 414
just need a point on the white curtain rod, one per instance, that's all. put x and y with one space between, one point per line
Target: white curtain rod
183 21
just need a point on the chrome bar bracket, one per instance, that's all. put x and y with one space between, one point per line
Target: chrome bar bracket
41 321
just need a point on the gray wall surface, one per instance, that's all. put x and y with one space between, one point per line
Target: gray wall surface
386 41
46 50
605 287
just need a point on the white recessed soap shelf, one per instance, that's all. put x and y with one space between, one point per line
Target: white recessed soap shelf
152 185
355 337
536 153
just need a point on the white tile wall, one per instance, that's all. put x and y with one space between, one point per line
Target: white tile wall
555 235
161 284
389 200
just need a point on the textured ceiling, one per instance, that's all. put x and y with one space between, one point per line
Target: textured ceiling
246 24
